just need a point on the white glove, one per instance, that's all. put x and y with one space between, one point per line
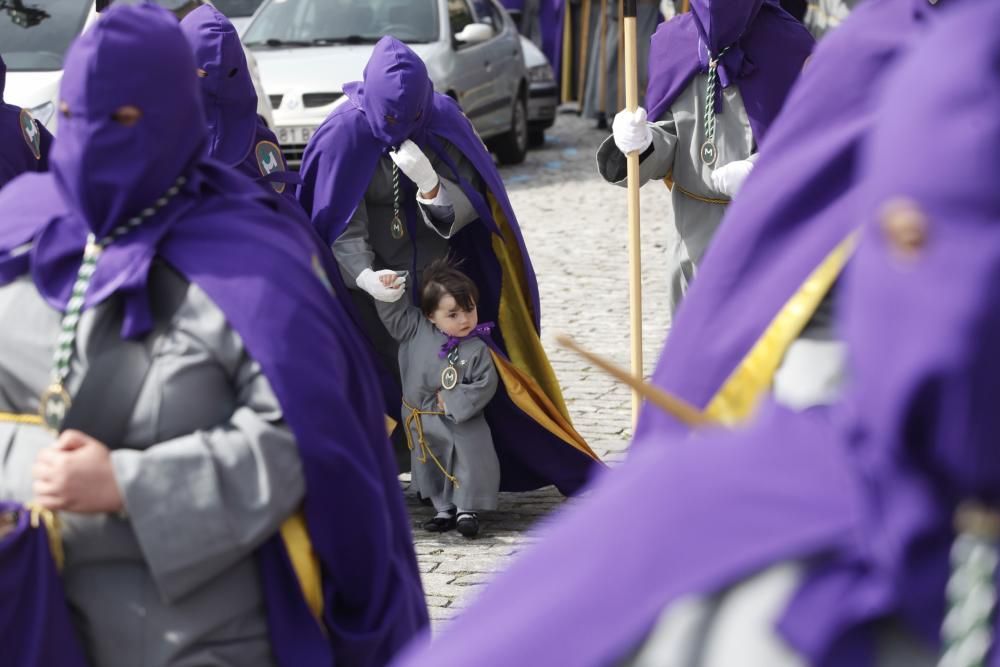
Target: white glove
668 9
370 281
728 179
412 162
631 131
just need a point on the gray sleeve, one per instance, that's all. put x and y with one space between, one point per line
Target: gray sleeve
654 165
475 391
401 319
351 249
201 502
453 213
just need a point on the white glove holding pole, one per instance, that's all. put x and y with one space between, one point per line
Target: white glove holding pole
371 282
729 178
631 131
412 162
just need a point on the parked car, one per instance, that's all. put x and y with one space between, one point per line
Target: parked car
34 40
239 12
308 49
543 92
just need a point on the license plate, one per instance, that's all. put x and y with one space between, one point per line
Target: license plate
294 135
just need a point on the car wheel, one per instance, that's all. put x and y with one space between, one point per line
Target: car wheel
512 146
536 137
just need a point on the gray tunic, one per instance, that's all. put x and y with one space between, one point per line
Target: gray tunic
675 152
367 241
602 75
459 439
737 627
211 472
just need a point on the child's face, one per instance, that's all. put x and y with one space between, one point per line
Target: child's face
452 320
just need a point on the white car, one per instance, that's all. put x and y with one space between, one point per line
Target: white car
308 50
34 40
543 93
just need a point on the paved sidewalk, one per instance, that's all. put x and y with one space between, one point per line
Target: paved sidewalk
575 226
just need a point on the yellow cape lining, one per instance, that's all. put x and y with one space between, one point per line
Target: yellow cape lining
742 391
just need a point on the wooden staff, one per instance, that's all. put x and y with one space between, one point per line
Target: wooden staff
677 408
567 53
581 75
602 70
622 71
629 11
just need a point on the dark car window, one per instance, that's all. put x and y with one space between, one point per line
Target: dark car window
36 36
237 8
459 15
323 22
486 13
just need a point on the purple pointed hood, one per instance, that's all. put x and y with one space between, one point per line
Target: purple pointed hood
765 49
230 100
109 172
396 95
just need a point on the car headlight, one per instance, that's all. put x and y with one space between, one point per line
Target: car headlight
541 74
43 112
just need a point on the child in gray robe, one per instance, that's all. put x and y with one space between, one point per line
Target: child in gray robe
448 379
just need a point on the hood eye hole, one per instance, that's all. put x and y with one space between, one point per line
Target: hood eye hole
127 115
64 109
420 114
233 72
905 227
202 74
390 119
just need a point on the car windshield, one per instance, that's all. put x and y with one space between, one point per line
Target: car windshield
34 34
322 22
237 8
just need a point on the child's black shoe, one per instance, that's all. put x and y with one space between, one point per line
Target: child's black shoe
440 524
468 524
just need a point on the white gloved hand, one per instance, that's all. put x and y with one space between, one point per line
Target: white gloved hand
371 282
412 162
668 9
729 178
631 131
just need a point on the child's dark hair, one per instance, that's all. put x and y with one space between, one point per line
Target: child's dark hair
442 277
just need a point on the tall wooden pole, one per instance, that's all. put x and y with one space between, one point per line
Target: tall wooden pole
620 101
602 68
581 75
629 11
566 58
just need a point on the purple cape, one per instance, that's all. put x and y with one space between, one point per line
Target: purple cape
24 143
767 48
396 102
35 625
864 491
220 234
794 211
228 94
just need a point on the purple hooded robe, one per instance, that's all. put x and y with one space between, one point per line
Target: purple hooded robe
535 441
766 51
222 233
791 217
24 143
863 491
238 136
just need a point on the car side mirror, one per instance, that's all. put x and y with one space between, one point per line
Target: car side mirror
474 33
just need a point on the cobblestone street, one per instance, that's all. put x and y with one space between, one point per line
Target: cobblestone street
575 226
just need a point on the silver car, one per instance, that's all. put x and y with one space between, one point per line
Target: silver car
308 49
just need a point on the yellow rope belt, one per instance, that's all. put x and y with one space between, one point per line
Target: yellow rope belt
414 419
10 417
707 200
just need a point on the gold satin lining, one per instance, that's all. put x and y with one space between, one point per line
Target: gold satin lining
515 316
12 418
295 534
532 401
390 425
741 392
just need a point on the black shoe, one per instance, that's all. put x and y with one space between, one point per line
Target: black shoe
426 502
439 524
468 524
